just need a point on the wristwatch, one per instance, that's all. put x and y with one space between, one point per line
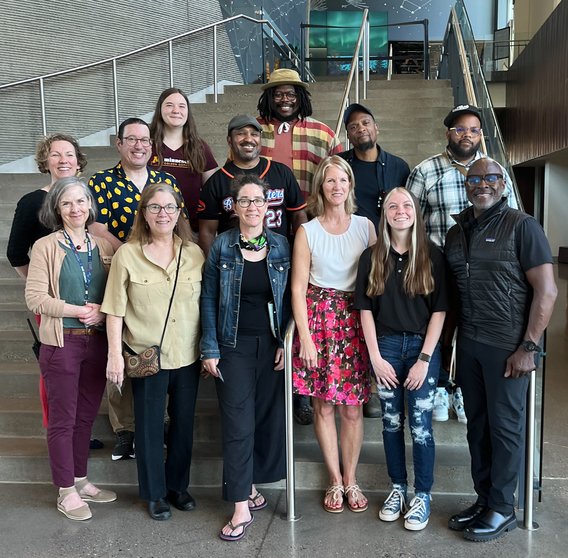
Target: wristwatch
531 347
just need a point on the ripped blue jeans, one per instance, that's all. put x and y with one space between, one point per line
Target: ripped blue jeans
402 351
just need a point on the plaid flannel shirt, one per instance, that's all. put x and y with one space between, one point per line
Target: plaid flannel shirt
440 189
312 140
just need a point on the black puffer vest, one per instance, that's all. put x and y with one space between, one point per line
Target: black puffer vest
494 294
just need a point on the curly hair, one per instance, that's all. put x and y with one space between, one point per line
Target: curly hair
193 148
44 147
267 107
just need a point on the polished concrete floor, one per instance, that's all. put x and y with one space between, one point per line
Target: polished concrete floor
31 527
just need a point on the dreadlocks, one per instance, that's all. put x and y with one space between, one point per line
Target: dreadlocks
267 109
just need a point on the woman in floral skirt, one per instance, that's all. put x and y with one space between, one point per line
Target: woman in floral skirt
331 363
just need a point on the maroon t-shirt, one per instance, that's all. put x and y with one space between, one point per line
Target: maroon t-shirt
188 181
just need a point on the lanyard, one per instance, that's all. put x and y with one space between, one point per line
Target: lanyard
87 273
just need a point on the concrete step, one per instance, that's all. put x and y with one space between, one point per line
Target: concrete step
6 270
14 316
25 460
16 346
12 289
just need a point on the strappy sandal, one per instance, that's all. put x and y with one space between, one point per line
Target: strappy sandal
253 502
336 492
356 497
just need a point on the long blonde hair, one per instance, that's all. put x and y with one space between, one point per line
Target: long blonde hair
418 278
140 231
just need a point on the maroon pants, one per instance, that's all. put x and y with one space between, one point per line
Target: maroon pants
75 378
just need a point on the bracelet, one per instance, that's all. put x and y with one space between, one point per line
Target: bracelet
424 357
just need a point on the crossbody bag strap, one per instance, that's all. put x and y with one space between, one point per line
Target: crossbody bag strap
173 293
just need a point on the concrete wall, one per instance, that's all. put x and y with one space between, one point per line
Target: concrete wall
41 37
556 200
529 15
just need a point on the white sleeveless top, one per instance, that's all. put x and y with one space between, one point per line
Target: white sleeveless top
335 257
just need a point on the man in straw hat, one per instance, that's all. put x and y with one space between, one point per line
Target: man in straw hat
289 134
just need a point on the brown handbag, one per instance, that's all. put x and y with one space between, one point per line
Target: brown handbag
147 363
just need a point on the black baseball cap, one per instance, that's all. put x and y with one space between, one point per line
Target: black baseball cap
242 120
458 111
355 107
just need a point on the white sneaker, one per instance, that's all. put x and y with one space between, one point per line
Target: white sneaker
441 405
457 406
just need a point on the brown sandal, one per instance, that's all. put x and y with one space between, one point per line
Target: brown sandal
336 492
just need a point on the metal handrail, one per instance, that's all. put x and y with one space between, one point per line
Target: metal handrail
293 57
290 466
363 33
470 65
471 97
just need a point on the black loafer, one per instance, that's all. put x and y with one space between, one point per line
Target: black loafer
463 519
183 501
159 509
490 525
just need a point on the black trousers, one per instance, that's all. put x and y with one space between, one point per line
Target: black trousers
251 400
495 408
155 477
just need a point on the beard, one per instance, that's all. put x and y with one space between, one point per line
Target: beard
365 145
464 152
288 117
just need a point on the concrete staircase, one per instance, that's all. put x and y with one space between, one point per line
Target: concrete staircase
409 113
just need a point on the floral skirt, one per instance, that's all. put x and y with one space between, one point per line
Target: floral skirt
342 374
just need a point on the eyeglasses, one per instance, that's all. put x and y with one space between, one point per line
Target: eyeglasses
279 95
475 179
156 208
460 131
245 202
132 141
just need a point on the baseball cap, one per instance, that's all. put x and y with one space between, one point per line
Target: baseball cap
458 111
242 120
355 107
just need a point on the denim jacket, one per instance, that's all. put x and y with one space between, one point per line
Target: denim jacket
221 289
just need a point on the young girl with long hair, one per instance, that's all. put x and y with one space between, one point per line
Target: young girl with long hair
400 291
178 149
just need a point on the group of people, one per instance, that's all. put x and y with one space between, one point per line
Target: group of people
201 264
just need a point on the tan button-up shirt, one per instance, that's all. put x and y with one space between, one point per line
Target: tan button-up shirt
139 291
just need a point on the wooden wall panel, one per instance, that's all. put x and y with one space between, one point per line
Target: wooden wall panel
537 93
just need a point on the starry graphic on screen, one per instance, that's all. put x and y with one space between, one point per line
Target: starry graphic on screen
413 7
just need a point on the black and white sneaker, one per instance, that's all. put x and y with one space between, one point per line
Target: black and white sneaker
124 447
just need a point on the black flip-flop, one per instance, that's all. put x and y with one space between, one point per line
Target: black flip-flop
252 500
232 538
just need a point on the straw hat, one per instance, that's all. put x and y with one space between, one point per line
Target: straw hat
284 76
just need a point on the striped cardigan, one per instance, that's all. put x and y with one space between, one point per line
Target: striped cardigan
312 140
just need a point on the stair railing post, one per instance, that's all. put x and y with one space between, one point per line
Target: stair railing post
528 523
290 470
426 51
42 104
215 92
171 62
115 95
366 55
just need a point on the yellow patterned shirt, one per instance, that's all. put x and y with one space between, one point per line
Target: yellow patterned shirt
117 197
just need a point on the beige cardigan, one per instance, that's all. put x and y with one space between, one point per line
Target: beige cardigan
42 283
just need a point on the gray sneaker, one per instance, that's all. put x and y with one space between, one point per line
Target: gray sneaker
441 405
457 406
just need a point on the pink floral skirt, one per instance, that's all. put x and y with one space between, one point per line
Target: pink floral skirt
342 374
